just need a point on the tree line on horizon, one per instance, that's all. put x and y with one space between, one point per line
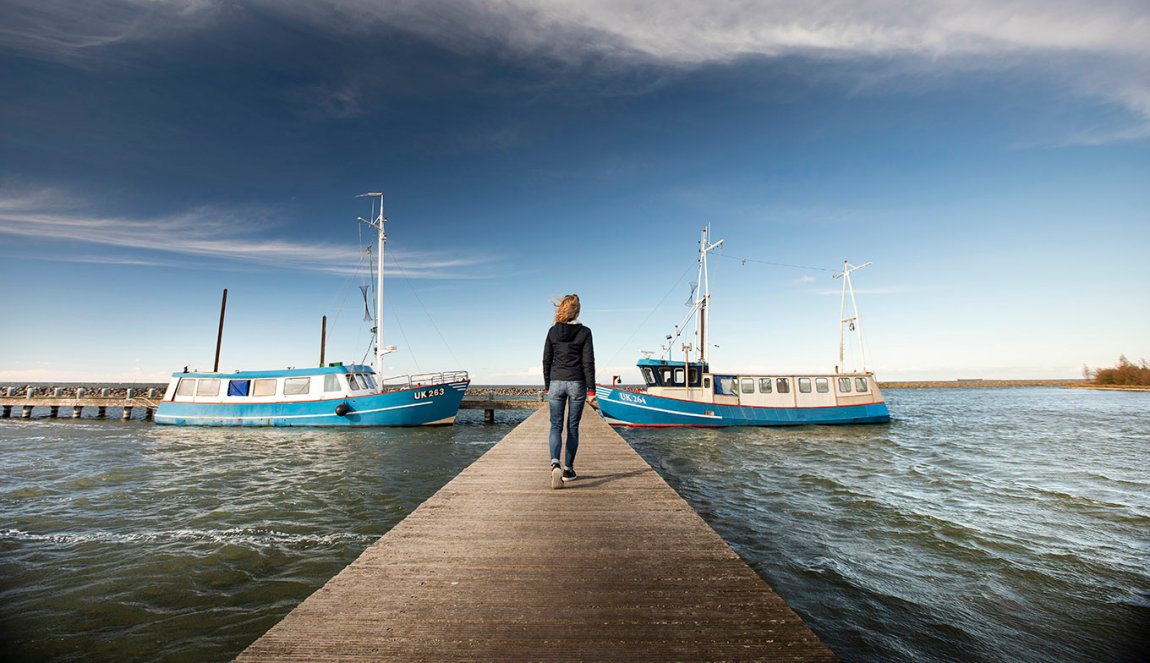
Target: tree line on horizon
1125 374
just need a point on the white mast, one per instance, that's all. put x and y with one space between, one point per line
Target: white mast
703 294
377 223
854 323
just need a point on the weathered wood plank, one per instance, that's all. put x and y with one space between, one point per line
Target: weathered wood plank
497 566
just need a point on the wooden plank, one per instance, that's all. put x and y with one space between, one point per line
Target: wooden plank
497 566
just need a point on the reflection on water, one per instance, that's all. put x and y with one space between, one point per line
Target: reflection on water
981 525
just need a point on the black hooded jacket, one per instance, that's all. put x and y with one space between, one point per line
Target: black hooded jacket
569 354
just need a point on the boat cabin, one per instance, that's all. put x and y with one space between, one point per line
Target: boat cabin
294 384
693 381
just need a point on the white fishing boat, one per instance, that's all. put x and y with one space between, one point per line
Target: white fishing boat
333 395
687 392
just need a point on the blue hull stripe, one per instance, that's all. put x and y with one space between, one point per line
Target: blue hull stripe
413 407
675 412
659 411
294 416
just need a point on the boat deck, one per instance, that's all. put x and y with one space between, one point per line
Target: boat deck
497 566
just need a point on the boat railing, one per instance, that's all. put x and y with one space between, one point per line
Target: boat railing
422 379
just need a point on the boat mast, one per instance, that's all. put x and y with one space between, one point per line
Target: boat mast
377 223
853 323
703 294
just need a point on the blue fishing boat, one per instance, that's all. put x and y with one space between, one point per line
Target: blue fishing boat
687 392
334 395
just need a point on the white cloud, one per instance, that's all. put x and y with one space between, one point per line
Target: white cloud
1095 49
235 236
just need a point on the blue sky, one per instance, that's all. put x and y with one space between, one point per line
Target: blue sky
991 160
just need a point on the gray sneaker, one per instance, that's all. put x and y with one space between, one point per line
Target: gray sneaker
556 476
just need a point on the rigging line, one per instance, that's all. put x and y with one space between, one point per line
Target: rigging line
407 343
430 319
776 264
649 314
364 255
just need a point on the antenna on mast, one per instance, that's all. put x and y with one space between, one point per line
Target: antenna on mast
852 323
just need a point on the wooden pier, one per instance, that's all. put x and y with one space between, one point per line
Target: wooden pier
57 399
497 566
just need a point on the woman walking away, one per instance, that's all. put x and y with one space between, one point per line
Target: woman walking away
568 374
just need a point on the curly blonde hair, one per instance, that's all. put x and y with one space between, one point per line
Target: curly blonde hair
567 309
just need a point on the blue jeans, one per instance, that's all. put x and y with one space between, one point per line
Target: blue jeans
560 393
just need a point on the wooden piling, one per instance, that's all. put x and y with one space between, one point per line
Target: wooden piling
498 566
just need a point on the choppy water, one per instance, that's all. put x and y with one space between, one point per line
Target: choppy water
983 524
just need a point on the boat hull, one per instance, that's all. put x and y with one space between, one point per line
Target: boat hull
621 407
435 404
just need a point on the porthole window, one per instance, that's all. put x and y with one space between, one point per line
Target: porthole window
783 385
765 385
747 386
822 385
805 385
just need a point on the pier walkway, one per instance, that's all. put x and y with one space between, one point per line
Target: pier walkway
497 566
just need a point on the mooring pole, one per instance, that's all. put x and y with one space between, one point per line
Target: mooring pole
220 335
322 340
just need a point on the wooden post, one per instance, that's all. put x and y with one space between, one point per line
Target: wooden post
77 410
149 412
127 413
53 411
322 340
489 416
102 411
220 335
27 413
7 412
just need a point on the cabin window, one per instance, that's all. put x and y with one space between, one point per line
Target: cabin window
726 385
693 376
707 383
353 381
822 385
666 376
187 387
860 384
845 385
805 385
238 387
783 385
264 387
764 385
368 381
678 376
648 376
331 382
297 386
208 387
747 385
